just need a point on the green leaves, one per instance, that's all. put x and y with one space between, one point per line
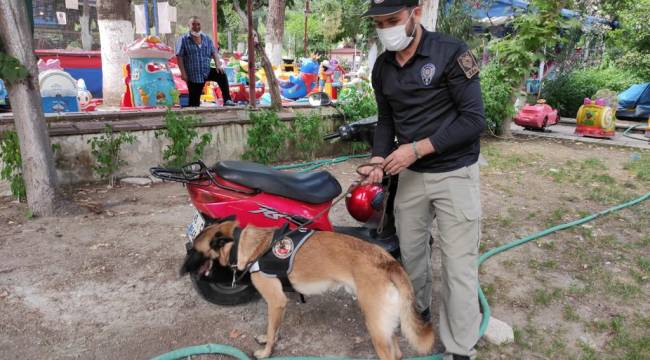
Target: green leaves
11 70
12 164
497 96
106 151
307 134
358 102
181 130
267 137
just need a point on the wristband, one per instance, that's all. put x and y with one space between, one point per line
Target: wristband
415 151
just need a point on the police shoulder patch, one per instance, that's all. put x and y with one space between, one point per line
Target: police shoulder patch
468 64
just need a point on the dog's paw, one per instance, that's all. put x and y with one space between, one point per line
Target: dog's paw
261 339
262 354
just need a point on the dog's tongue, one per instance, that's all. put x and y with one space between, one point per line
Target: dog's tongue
205 268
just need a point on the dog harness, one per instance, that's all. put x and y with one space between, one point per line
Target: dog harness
278 261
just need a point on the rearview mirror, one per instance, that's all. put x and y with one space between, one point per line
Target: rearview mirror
319 99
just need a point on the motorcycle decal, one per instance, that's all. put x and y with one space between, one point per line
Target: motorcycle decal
283 248
271 213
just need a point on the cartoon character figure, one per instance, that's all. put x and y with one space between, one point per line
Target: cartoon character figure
143 96
300 86
161 99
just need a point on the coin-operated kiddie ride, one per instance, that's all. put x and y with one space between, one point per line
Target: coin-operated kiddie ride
596 116
58 88
149 82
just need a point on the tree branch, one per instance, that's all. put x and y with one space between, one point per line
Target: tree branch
274 89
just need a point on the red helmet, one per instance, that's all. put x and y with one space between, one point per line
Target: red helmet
364 200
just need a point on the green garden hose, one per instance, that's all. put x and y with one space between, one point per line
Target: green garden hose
234 352
312 165
625 133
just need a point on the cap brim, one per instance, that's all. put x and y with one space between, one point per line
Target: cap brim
383 10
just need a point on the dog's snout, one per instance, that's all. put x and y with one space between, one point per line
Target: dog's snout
193 262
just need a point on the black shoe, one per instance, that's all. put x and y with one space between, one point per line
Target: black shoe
460 357
426 315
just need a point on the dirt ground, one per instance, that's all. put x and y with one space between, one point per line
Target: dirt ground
105 285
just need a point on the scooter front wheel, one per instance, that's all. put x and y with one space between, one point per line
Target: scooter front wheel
217 288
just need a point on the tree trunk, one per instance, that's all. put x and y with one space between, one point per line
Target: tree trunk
429 14
505 128
84 21
115 33
35 148
275 31
274 88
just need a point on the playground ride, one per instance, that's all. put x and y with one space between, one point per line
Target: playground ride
58 89
537 117
596 117
634 102
302 85
148 79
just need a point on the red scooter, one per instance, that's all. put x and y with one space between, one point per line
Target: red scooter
262 196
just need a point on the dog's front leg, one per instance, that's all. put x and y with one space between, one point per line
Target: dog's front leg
271 291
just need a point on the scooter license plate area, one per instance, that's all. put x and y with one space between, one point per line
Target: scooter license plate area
196 226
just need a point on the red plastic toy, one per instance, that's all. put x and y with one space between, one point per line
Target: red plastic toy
537 116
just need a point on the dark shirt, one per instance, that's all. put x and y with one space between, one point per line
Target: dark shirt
196 59
431 96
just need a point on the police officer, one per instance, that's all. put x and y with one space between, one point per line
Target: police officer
429 99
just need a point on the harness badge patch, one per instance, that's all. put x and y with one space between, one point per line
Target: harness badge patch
283 248
468 63
427 72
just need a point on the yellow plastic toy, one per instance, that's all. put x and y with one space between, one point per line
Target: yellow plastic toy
647 130
208 92
596 117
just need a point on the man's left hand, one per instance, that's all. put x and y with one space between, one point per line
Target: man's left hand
399 159
219 69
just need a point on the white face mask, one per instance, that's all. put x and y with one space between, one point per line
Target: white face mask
395 38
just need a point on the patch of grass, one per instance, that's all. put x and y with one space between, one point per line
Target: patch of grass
556 217
622 290
505 221
508 264
641 167
499 161
631 339
542 265
568 313
545 297
645 241
587 352
591 175
644 264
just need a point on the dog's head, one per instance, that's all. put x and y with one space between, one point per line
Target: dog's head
212 244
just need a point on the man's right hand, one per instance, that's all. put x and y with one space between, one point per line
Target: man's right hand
373 174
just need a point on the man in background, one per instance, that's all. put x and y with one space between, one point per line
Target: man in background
193 52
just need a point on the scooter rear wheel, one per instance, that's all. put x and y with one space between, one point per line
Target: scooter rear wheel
217 290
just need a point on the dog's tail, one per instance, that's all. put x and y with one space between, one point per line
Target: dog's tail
418 332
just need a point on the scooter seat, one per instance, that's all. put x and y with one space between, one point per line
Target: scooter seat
312 187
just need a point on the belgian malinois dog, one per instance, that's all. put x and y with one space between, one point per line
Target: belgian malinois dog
325 261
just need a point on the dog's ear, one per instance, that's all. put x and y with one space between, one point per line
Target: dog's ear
227 228
253 242
202 242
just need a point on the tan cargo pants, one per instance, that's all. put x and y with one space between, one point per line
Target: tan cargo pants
453 199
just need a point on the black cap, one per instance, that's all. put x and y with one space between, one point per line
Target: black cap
387 7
